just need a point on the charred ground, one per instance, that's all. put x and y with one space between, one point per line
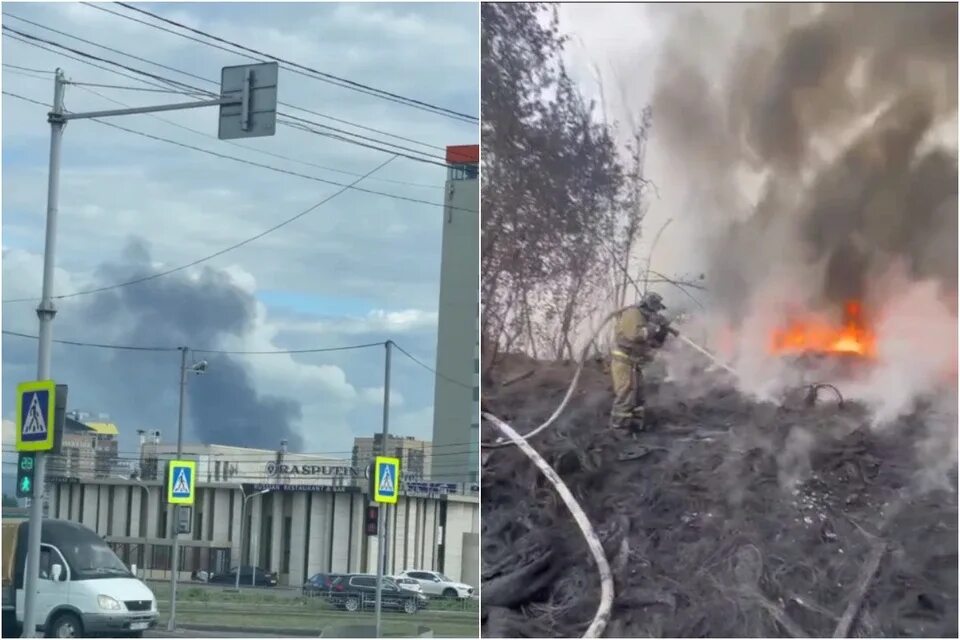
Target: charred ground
745 519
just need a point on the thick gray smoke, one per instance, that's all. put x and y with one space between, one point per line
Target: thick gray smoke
199 312
818 157
829 116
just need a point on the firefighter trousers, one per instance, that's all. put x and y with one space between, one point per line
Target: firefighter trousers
628 403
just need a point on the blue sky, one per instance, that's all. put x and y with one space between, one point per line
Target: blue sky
362 268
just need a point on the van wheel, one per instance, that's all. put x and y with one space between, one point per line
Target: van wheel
351 604
65 625
410 606
449 593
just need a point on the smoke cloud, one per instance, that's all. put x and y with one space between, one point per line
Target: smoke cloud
198 311
819 159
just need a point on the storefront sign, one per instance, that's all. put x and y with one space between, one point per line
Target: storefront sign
318 470
249 488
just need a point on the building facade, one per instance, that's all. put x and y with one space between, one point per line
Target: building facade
456 430
88 446
294 514
414 455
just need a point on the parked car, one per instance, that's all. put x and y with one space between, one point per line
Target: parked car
320 584
408 584
436 584
359 591
248 575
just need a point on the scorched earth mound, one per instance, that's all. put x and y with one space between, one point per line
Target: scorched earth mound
742 519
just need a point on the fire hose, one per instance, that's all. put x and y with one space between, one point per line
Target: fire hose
580 363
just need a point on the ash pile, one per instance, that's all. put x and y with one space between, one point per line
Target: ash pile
737 518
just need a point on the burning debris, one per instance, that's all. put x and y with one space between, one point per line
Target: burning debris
852 336
744 519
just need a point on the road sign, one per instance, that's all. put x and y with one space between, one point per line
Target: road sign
386 482
36 403
25 477
181 482
255 115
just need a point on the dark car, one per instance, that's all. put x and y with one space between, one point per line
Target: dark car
357 591
320 584
248 575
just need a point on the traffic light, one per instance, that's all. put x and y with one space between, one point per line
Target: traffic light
372 516
25 465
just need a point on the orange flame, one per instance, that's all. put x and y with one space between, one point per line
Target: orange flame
817 336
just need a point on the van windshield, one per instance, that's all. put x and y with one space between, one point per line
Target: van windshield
89 558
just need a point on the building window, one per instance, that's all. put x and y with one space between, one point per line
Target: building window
476 394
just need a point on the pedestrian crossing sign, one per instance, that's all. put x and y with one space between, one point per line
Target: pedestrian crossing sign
386 481
36 402
181 482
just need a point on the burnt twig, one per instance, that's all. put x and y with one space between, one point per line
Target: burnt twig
860 589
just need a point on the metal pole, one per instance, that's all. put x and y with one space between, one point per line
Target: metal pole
381 513
45 312
175 559
256 550
243 509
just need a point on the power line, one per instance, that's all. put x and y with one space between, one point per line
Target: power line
13 66
322 75
91 64
121 347
432 370
82 86
110 49
91 344
161 89
284 104
98 58
428 158
237 245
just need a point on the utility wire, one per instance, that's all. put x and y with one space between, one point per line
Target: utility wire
122 347
91 344
429 159
82 86
261 165
13 66
97 66
284 104
52 43
160 274
430 369
322 75
110 49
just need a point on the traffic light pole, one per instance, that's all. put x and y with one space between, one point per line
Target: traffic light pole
381 516
172 509
45 312
258 79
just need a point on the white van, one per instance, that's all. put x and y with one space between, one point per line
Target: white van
84 588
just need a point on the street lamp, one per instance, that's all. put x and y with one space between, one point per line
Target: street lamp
243 509
197 368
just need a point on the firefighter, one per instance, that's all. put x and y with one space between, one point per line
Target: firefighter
639 331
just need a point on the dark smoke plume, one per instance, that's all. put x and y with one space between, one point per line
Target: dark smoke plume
197 312
833 110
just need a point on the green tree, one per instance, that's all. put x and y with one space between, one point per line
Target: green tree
9 501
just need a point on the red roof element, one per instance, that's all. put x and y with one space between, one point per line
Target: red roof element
464 154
